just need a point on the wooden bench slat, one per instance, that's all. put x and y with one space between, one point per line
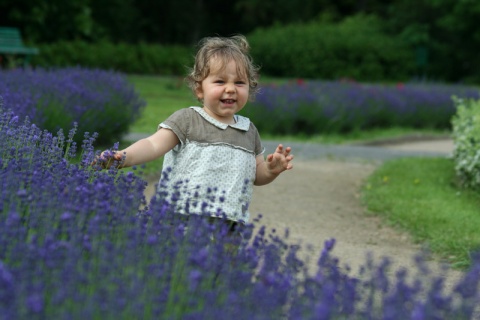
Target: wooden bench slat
11 42
19 50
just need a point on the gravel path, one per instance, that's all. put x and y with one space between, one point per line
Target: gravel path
319 199
378 151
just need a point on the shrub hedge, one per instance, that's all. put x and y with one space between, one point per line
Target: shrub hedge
128 58
354 48
466 135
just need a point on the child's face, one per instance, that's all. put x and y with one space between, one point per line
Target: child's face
224 92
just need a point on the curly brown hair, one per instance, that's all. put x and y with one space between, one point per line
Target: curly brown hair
223 50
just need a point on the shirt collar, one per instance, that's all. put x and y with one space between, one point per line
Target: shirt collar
241 123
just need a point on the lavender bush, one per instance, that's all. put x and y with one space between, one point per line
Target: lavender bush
79 243
313 107
100 101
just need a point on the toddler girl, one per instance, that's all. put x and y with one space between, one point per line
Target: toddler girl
213 156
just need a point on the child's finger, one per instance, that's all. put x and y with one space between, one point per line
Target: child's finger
117 156
285 151
106 159
272 161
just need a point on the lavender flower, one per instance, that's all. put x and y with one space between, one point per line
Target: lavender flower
116 257
313 107
98 101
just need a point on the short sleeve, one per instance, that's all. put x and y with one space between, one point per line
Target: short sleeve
179 123
259 149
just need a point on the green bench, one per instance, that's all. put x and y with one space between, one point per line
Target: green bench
12 46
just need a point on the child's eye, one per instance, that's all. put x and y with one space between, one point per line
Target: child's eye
219 81
240 82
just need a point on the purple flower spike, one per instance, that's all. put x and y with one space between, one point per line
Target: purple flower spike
35 303
63 223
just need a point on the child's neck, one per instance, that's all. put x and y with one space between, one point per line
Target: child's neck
232 121
222 120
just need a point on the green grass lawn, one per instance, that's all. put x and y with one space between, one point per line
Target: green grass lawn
421 196
164 96
417 195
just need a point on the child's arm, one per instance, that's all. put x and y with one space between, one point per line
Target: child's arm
145 150
270 168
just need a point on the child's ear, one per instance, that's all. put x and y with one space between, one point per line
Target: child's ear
199 92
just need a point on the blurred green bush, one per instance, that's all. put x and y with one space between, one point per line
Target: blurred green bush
127 58
466 135
354 48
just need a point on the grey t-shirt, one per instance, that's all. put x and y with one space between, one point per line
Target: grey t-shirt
213 167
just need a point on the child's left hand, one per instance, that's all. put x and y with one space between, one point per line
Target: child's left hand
280 160
106 159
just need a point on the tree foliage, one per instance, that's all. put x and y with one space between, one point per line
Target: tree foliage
169 21
448 29
443 33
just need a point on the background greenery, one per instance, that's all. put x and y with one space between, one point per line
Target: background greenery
356 47
441 36
139 58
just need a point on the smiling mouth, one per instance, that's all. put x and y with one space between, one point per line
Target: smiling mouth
228 101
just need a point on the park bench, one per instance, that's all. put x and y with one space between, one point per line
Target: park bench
12 47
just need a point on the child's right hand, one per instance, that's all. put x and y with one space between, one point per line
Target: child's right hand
107 159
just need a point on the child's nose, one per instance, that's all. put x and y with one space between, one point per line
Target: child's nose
230 87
